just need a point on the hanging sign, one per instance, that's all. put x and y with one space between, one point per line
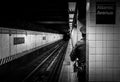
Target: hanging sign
105 12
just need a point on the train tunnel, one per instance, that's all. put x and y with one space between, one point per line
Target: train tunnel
37 39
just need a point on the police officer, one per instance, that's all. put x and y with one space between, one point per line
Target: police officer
79 55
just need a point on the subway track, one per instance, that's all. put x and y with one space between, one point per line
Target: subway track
49 69
48 60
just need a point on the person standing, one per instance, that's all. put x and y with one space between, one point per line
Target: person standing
79 56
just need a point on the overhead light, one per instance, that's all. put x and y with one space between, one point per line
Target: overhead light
88 6
71 15
70 20
72 6
70 23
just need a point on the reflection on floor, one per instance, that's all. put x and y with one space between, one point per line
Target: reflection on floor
67 74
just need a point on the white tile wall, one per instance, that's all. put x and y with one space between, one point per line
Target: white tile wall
92 58
92 37
5 45
98 37
92 44
28 42
38 39
13 48
92 51
21 47
91 30
104 47
116 29
98 44
98 51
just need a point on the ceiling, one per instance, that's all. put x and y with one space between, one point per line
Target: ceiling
42 16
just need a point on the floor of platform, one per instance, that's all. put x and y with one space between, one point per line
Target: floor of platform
67 74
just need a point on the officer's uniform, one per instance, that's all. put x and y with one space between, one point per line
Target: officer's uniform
79 52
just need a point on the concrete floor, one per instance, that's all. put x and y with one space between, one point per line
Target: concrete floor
67 74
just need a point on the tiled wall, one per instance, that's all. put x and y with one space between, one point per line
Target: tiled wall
32 40
103 46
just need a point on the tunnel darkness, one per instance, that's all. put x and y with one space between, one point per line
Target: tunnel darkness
66 37
81 5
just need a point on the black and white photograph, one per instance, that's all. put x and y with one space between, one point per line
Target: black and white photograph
60 41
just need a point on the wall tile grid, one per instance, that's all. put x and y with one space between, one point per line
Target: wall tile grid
33 41
104 48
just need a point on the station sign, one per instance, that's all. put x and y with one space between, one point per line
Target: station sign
18 40
105 12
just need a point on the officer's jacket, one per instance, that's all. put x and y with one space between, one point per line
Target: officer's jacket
79 51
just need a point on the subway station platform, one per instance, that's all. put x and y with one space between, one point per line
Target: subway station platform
67 73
